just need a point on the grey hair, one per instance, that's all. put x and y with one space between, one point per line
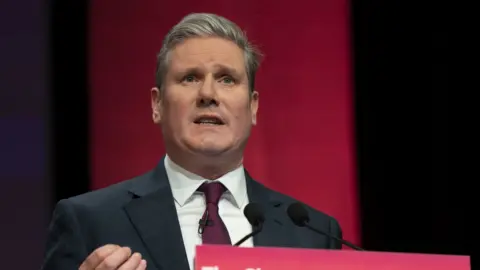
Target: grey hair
207 25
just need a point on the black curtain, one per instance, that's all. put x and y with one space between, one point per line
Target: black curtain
409 203
69 98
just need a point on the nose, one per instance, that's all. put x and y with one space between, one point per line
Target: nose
207 94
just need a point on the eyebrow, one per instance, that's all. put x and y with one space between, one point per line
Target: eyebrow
227 69
218 68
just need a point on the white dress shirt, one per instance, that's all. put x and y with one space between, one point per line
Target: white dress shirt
191 205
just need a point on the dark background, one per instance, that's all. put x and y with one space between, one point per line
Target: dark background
409 201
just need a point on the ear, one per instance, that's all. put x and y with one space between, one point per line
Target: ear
254 99
156 101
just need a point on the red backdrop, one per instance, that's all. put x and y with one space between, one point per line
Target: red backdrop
303 143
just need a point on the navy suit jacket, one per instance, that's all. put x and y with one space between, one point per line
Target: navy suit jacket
140 213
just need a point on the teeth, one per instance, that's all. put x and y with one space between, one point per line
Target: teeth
209 121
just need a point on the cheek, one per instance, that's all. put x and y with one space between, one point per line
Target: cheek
242 117
177 114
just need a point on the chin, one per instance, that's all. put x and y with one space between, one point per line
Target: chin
210 148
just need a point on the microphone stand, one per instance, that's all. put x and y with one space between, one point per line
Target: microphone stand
253 233
334 237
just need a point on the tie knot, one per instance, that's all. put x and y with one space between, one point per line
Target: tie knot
213 191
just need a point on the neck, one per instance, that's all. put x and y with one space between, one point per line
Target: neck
207 167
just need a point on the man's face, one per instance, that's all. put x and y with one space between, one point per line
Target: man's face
206 107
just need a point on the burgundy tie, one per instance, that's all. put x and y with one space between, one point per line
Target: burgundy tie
215 231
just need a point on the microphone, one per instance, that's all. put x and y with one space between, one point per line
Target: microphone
255 216
299 215
204 222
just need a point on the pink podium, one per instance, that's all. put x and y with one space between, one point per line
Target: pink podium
209 257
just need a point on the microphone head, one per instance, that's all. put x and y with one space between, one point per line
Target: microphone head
298 214
254 214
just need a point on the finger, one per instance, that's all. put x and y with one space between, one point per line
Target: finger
132 263
142 265
97 256
117 258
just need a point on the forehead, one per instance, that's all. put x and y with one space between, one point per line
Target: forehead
206 52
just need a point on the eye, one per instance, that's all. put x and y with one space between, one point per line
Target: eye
189 78
227 80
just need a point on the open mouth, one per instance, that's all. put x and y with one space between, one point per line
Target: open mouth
209 120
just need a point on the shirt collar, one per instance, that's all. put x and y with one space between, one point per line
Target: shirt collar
184 184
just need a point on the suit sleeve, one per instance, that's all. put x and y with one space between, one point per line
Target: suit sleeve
336 231
65 248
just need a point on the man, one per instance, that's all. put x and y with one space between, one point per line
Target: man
205 103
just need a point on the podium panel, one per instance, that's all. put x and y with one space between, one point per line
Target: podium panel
211 257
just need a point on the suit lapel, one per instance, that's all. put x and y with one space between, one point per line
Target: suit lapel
274 232
155 218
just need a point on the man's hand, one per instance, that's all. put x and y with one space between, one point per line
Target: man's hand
113 257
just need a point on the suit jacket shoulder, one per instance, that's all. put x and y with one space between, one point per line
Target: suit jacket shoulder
113 196
82 223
